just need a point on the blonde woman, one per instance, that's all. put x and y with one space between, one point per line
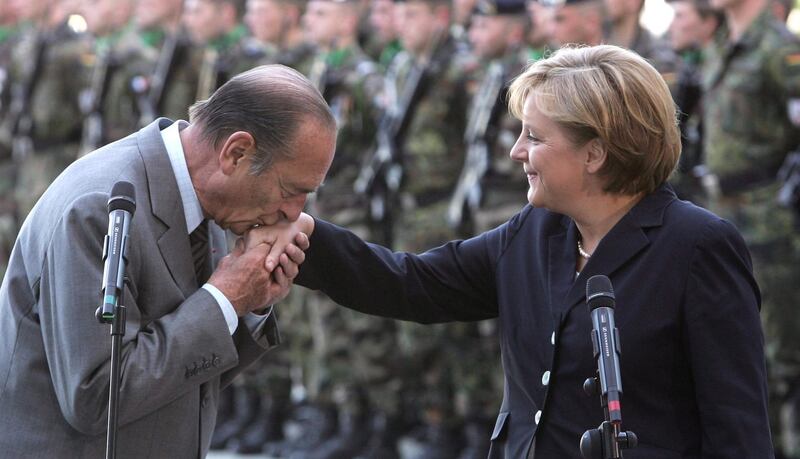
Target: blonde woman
598 142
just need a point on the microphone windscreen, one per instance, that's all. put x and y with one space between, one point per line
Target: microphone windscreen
599 292
123 196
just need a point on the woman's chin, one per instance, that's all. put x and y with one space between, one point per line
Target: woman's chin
533 199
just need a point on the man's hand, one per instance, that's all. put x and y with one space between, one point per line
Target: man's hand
287 240
243 278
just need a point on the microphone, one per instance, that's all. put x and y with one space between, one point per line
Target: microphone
605 342
121 206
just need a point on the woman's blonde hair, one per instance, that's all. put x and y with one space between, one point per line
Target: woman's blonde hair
611 94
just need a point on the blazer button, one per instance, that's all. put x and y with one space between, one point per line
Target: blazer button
553 339
537 417
546 378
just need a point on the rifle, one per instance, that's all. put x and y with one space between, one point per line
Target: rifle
17 126
149 91
483 113
327 81
382 172
789 194
688 93
91 103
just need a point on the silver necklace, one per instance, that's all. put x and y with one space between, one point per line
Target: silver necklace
582 252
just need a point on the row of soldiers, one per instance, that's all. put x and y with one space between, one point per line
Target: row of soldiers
417 88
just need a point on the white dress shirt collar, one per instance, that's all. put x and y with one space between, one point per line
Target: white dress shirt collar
191 205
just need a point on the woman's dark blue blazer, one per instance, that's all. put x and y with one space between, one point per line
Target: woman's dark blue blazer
687 308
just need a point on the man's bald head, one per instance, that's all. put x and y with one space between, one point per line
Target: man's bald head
270 102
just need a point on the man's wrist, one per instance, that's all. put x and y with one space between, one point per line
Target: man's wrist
228 311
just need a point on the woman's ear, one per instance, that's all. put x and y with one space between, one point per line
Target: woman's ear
235 150
596 154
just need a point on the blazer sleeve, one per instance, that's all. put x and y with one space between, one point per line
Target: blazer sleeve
453 282
160 360
723 337
255 335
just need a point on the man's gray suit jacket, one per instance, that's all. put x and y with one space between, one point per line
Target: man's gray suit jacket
55 357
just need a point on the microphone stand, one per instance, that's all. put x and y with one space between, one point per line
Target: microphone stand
608 440
117 323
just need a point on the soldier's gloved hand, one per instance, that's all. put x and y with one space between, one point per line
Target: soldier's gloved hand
287 240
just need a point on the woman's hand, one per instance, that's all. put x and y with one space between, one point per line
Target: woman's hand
287 241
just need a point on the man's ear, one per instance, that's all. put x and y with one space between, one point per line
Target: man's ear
596 155
236 152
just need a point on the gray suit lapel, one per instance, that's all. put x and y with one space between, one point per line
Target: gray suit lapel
167 207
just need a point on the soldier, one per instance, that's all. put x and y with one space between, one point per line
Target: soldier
350 82
576 21
214 25
347 79
272 24
253 427
486 195
626 31
248 425
109 103
277 23
8 171
691 30
43 123
781 9
385 42
489 190
538 38
9 29
750 116
167 83
422 132
462 17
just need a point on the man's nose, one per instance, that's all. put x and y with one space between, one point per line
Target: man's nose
293 207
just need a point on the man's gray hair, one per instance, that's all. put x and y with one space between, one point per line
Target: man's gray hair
270 102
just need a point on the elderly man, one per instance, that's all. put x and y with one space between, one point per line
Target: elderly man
249 156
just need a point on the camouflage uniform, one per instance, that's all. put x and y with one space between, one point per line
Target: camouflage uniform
432 152
299 57
227 56
349 348
490 190
499 194
751 102
658 52
53 111
687 94
383 54
167 56
110 98
8 171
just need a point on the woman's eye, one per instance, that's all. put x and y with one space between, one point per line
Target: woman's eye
532 137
